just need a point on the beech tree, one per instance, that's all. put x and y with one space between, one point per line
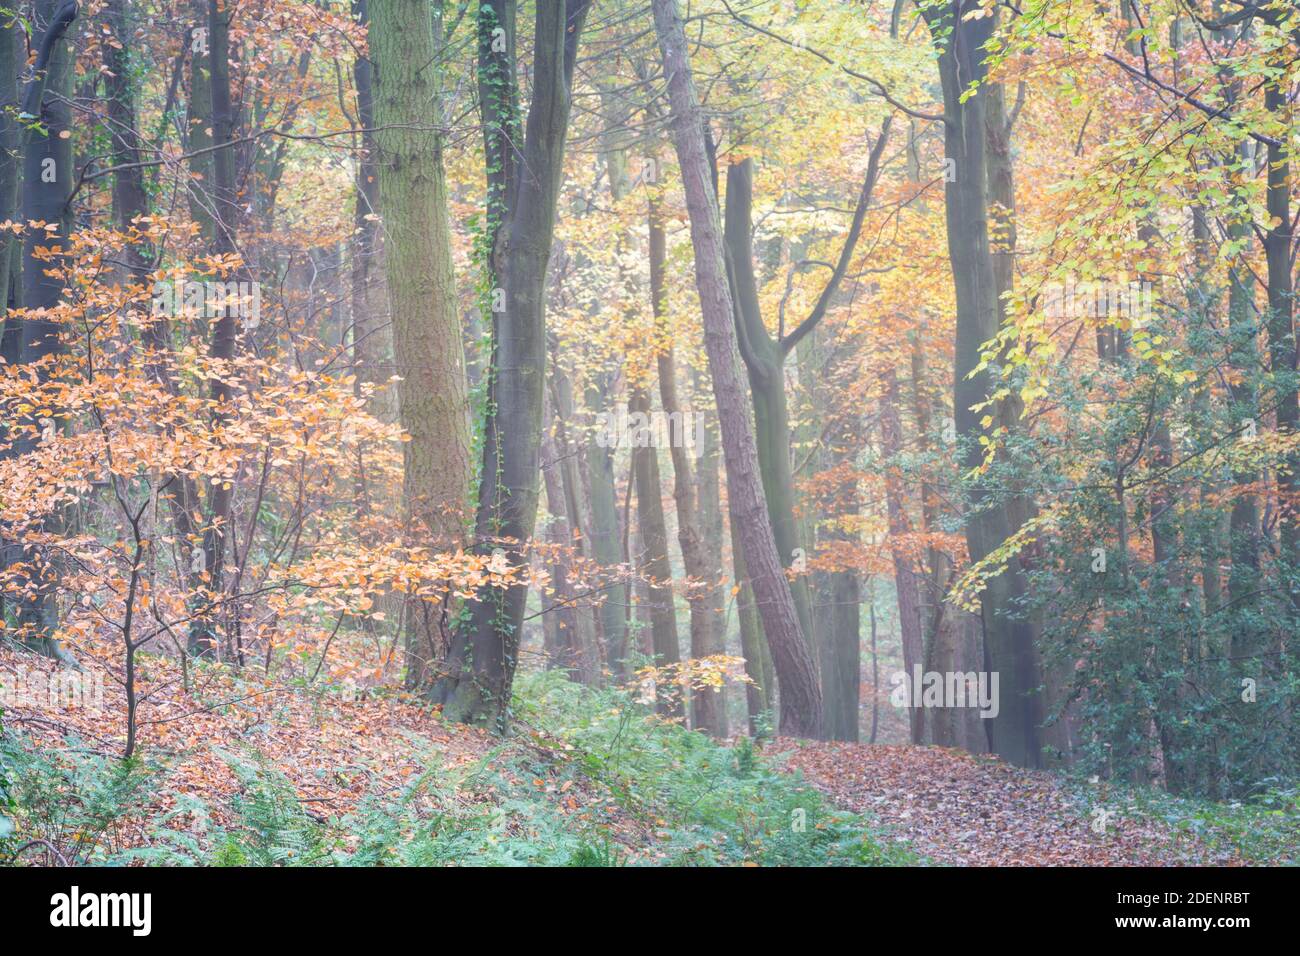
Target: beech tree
523 188
429 356
801 699
47 177
995 378
962 43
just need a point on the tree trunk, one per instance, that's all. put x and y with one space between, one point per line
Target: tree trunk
1244 534
226 217
939 638
523 188
47 180
130 201
606 536
765 364
616 138
708 511
371 335
834 431
708 706
198 127
1008 639
1282 350
12 141
801 698
13 52
560 613
905 576
760 691
433 403
575 488
653 560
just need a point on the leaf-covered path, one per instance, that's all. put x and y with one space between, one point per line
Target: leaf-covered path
959 809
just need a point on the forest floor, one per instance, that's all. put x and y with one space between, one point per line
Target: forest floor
333 752
962 809
581 779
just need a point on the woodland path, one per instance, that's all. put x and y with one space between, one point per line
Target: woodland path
965 810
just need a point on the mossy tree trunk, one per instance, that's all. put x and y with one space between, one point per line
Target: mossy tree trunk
523 190
433 403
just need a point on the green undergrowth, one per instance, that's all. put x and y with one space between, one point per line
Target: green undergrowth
587 779
1260 830
707 803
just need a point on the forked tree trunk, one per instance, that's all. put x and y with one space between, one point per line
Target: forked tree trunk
523 188
764 359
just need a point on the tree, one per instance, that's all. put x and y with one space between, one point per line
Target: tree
432 396
523 189
47 177
905 576
16 131
708 705
225 213
801 699
962 45
653 560
130 205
